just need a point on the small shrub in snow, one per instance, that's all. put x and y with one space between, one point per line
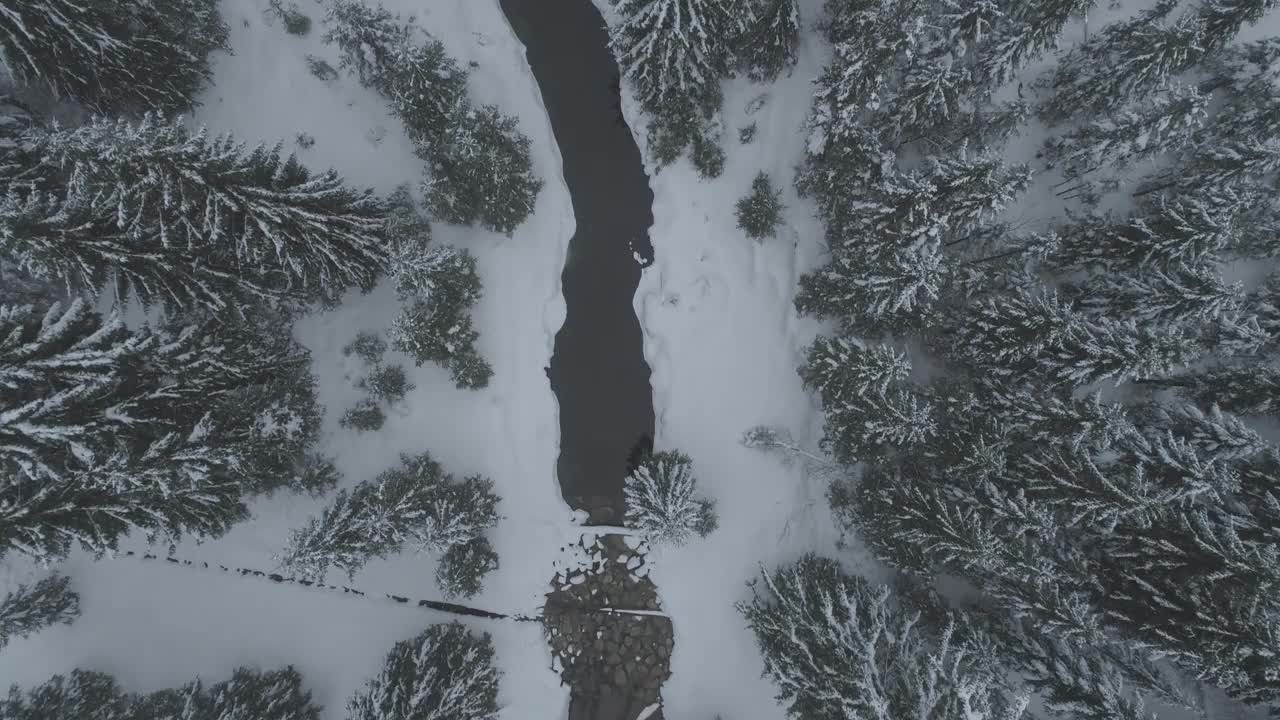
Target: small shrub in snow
387 383
295 22
481 172
660 500
462 568
321 69
760 212
305 140
368 346
708 156
747 134
367 415
446 673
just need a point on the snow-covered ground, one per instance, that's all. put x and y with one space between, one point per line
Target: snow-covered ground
155 625
723 340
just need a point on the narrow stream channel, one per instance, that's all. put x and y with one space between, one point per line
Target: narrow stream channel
598 371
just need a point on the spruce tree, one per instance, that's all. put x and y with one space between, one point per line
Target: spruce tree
838 647
1124 62
660 499
174 217
83 695
1027 32
760 211
768 45
28 609
675 49
414 504
438 286
1246 389
1196 293
446 673
462 567
1184 230
1223 19
121 56
481 171
1164 123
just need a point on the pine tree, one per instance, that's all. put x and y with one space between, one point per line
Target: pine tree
415 504
838 647
25 611
1223 19
1028 31
760 212
446 673
367 37
128 55
249 695
1124 62
196 222
1212 433
1036 335
82 695
674 48
1166 122
882 290
1249 389
768 46
1196 293
462 567
660 500
481 171
438 287
1183 230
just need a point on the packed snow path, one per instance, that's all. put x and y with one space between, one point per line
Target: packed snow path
598 371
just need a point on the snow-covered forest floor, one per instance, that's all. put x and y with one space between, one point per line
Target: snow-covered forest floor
156 626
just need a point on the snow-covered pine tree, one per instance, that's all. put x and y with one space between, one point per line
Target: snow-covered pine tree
870 410
1226 162
1212 433
480 171
1245 389
1194 293
1039 417
840 647
413 504
768 45
446 673
250 694
29 609
760 211
1123 63
255 225
675 49
660 500
438 287
271 410
1027 32
1163 123
1223 19
125 56
876 290
1172 231
461 570
82 694
1034 334
169 490
367 37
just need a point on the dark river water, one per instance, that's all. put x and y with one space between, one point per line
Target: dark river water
598 371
